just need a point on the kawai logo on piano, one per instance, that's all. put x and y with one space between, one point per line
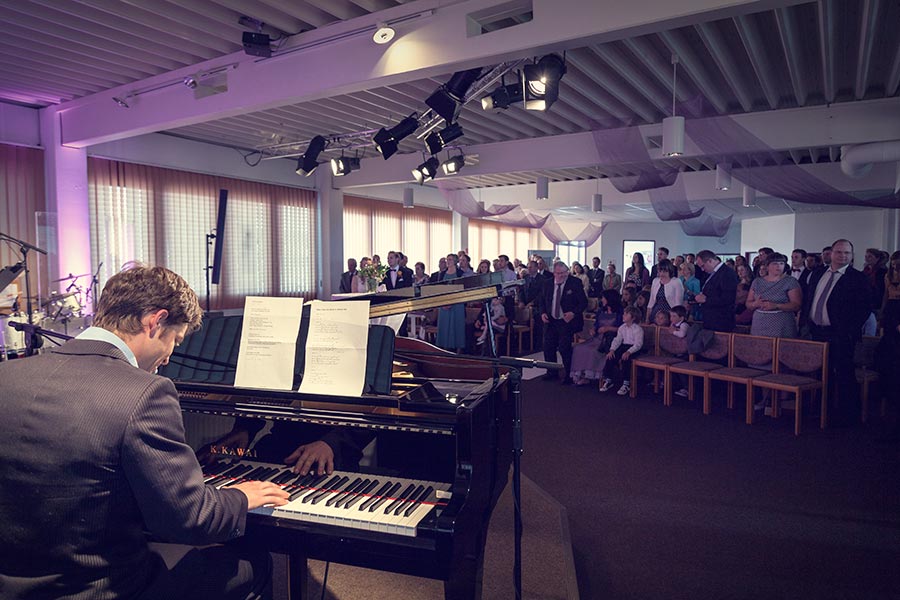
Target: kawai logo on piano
225 450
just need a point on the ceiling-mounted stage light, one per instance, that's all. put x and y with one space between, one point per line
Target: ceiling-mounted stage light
387 140
257 44
308 161
597 203
502 97
122 102
427 170
543 188
408 201
749 199
343 165
673 127
453 165
447 99
723 177
190 82
384 33
437 140
540 82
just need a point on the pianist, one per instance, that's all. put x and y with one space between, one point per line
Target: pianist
94 455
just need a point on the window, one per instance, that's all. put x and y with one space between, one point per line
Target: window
489 239
162 217
570 252
377 227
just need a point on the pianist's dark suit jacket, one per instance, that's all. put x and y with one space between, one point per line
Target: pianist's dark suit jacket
720 290
93 455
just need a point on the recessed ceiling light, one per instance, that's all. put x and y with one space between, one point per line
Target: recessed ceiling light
384 33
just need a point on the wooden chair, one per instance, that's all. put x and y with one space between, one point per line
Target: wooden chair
864 360
522 324
745 350
700 365
429 326
800 366
669 350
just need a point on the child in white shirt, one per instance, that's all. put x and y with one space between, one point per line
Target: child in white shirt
629 341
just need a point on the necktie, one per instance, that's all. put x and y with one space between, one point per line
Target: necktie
819 309
393 276
557 307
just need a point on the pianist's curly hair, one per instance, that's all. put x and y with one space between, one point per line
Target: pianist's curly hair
137 290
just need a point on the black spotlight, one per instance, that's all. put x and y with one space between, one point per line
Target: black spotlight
453 165
540 82
437 140
427 170
342 165
308 162
388 140
447 99
502 97
257 44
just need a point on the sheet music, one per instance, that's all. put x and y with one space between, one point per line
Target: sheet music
268 343
392 321
336 348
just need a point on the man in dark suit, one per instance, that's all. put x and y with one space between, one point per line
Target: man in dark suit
397 276
94 455
562 311
836 305
595 279
347 276
439 274
661 255
717 297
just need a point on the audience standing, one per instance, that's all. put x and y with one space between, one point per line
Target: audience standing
347 277
666 291
637 273
562 312
775 300
718 294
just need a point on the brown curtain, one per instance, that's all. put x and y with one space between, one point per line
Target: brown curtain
162 216
21 196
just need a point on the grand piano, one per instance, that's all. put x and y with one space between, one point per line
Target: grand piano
442 426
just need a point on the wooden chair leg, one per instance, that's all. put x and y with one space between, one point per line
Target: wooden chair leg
706 396
633 379
749 413
798 413
655 381
776 405
864 397
691 388
823 414
667 388
730 395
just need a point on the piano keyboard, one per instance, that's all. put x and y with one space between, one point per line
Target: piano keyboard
392 505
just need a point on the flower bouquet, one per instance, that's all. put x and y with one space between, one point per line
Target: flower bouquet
373 274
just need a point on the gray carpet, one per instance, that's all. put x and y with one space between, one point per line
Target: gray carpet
666 503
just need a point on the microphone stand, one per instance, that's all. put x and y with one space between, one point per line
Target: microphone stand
208 269
516 366
30 342
95 282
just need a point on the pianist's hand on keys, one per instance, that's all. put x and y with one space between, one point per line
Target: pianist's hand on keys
262 493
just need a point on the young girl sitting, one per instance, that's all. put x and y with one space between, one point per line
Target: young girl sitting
498 320
629 341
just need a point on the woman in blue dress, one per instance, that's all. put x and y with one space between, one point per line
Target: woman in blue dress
587 359
451 323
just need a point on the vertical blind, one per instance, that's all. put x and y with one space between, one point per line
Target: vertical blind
21 196
488 239
377 227
162 216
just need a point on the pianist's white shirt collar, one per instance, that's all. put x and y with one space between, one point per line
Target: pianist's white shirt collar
102 335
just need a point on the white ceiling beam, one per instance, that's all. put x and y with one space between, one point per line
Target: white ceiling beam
334 60
827 26
756 50
782 130
868 26
724 59
787 29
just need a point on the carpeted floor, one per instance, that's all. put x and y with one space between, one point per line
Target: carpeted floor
666 503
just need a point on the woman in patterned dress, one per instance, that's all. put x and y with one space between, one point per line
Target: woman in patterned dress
666 291
587 360
637 272
775 299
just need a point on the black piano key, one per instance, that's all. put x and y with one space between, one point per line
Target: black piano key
351 494
303 480
361 494
411 499
383 498
315 484
347 490
422 497
375 496
323 489
236 469
283 477
329 490
252 475
409 489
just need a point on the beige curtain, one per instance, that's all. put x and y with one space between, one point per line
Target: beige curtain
162 216
21 196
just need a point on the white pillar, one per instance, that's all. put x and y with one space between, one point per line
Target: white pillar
66 184
460 232
331 233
